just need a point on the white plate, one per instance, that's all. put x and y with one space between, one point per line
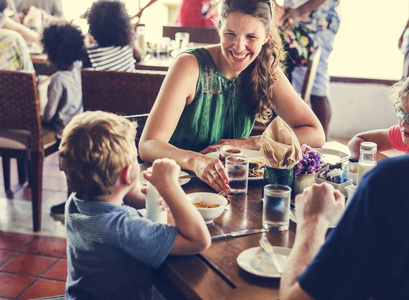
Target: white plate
294 219
247 153
258 262
332 156
143 181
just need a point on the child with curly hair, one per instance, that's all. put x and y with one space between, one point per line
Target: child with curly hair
65 47
396 137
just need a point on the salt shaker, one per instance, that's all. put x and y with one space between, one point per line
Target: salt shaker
367 159
154 209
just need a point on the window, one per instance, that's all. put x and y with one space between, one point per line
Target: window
366 45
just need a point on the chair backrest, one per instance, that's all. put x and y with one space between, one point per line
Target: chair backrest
196 34
20 105
310 75
119 92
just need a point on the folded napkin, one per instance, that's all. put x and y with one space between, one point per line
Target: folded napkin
280 146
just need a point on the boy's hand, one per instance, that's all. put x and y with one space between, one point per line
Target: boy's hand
165 173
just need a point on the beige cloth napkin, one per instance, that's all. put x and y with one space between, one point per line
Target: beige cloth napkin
280 146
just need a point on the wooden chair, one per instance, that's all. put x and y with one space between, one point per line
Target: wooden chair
305 90
196 34
310 75
21 133
124 93
119 92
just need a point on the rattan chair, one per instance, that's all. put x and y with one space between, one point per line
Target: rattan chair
196 34
21 132
124 93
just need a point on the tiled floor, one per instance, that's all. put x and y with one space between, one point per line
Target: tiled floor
32 265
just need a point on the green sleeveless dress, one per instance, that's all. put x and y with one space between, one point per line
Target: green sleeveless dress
218 111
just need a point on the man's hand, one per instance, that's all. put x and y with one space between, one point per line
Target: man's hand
319 201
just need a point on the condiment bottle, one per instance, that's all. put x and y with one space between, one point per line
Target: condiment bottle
367 159
154 209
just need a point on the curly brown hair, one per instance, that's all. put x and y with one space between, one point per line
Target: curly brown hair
399 92
261 72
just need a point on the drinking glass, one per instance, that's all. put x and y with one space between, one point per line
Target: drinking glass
182 39
237 169
276 207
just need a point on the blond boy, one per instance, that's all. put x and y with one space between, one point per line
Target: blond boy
110 248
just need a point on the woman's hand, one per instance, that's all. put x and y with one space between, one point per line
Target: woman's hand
290 19
211 171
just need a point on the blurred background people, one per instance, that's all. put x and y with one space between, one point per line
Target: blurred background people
321 18
198 13
51 7
14 54
110 28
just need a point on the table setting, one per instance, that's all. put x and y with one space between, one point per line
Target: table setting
248 254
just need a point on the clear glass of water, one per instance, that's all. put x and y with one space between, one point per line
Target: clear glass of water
237 169
276 207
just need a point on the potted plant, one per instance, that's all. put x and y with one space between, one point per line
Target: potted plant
306 168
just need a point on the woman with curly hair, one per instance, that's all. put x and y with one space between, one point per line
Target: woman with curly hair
211 96
111 29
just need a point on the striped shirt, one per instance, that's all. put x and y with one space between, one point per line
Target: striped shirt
14 55
114 58
111 251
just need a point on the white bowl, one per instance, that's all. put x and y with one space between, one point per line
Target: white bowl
209 214
352 170
228 150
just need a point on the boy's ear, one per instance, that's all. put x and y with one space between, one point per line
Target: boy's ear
127 175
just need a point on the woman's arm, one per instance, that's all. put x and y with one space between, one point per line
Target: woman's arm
28 35
380 137
178 90
296 113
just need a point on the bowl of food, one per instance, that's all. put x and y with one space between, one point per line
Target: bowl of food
352 169
209 205
227 150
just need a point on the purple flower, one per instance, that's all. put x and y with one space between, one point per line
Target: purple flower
310 163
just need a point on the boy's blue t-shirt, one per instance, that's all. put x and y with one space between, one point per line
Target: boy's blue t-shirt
111 250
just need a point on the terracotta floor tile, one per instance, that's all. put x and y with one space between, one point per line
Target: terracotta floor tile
44 288
27 264
5 255
48 246
12 285
14 241
58 271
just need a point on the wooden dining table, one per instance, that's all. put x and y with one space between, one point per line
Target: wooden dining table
215 273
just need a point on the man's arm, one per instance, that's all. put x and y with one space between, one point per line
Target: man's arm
316 208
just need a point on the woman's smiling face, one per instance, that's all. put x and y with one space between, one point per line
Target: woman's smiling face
242 37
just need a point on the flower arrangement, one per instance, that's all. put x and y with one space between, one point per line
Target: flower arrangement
310 163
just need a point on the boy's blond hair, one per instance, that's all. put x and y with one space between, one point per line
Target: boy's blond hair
399 92
95 147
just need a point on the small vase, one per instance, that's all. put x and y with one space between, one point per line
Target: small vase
301 182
